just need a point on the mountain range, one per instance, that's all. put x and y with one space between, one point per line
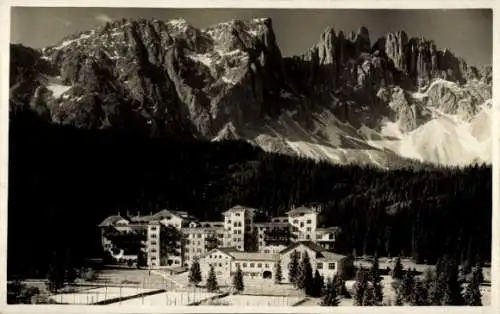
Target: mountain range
348 99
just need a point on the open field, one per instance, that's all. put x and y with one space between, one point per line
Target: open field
96 295
255 300
170 298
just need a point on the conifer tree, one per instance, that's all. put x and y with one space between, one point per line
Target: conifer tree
376 279
318 285
304 275
360 286
407 285
452 294
419 294
238 280
330 297
369 298
472 293
293 268
278 276
212 284
195 273
397 271
339 284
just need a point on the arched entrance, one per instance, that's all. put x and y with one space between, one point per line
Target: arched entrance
267 274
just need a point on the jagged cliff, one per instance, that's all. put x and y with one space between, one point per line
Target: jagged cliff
346 99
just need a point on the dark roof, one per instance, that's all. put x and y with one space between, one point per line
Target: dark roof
111 220
324 254
313 246
329 229
300 210
226 250
239 208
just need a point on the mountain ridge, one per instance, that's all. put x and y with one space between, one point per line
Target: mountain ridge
230 81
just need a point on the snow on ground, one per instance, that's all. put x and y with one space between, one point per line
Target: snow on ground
256 300
58 89
70 41
170 298
95 295
202 58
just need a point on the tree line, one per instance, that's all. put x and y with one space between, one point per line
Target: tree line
67 180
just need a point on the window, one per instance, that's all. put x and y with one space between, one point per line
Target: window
295 221
308 221
220 264
308 228
153 258
238 214
239 224
235 224
153 228
153 251
187 242
259 265
252 265
308 237
244 264
302 224
267 265
199 235
239 231
235 232
331 265
236 264
153 236
319 266
176 262
153 242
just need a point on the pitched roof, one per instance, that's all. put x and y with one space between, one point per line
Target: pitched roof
300 210
311 245
251 256
329 229
110 220
324 254
330 256
239 208
226 250
139 219
271 224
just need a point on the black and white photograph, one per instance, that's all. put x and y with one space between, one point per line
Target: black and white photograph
244 157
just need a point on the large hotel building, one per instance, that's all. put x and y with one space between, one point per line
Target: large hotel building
174 239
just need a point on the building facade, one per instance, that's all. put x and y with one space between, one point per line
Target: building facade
176 239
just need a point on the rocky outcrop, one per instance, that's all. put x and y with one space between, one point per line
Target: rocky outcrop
168 77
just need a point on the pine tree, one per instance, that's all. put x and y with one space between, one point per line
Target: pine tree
304 275
452 289
278 276
472 293
419 294
212 284
397 271
238 280
339 284
318 284
407 285
293 268
360 286
195 273
330 296
376 279
369 298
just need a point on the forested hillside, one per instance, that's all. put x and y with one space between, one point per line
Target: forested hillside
64 181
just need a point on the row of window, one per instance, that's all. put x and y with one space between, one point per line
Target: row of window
330 266
251 265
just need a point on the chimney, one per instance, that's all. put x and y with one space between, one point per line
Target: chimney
126 213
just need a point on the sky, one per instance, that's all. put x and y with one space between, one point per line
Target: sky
467 33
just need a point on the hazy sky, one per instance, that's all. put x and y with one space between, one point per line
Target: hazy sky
467 33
